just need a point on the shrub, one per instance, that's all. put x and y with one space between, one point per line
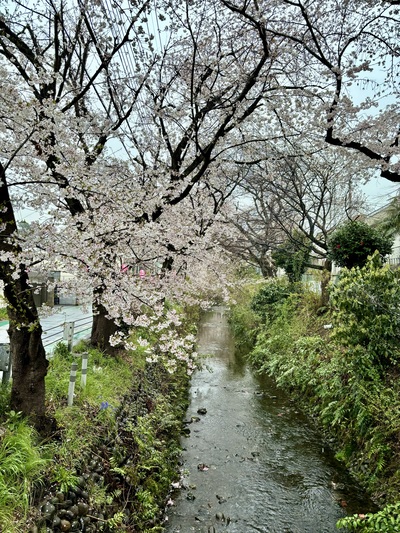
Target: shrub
272 293
242 320
366 317
351 244
293 256
387 521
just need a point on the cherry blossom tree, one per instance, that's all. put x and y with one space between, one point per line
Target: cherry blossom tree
344 57
297 197
257 231
115 141
60 104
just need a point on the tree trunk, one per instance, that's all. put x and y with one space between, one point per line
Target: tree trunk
326 278
29 368
29 363
268 269
102 329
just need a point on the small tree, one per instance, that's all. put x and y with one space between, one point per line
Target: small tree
293 256
351 244
265 302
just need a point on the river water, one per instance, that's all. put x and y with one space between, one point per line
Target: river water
253 462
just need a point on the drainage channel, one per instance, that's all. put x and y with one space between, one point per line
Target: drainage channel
253 462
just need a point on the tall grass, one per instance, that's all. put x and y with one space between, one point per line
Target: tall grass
22 464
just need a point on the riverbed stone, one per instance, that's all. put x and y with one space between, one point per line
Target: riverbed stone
83 508
65 525
60 496
56 521
48 511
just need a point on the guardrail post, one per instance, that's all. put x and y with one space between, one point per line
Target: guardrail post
84 368
71 388
5 362
69 334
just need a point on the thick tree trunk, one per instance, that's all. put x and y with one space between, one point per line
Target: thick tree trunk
29 368
29 363
102 329
268 269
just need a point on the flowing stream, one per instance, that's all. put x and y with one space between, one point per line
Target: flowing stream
253 462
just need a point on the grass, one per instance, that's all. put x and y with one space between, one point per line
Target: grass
22 465
108 380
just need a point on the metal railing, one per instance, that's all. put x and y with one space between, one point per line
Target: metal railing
69 332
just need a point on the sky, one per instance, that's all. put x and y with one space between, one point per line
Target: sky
379 191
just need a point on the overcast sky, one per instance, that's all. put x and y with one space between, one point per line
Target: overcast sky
379 192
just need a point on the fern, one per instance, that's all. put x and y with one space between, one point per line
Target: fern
385 521
116 520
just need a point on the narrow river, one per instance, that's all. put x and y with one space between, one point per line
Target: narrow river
252 461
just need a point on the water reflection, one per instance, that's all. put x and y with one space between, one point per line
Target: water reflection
252 462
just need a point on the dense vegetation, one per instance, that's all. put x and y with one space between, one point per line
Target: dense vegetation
342 366
110 458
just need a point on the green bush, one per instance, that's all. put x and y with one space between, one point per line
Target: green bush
242 319
366 317
351 244
272 293
293 256
385 521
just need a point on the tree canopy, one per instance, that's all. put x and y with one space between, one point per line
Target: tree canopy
129 126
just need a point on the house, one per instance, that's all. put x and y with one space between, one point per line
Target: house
378 217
